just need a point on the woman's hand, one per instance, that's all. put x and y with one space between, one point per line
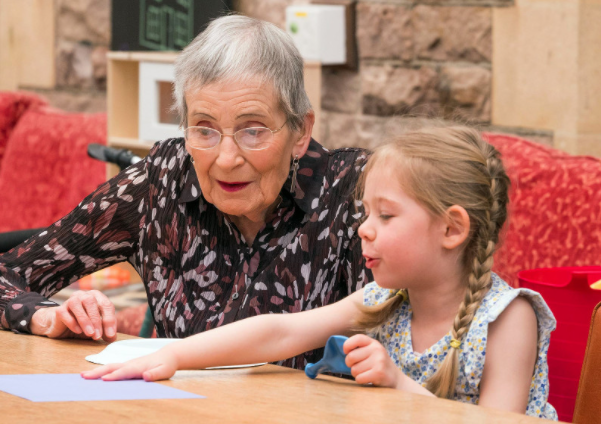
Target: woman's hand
370 363
160 365
86 314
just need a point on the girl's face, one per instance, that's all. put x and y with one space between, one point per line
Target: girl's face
401 240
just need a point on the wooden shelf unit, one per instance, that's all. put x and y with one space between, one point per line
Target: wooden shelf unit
123 94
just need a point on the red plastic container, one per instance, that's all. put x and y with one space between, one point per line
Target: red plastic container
569 294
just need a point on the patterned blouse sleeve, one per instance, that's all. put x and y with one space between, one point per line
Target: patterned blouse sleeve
102 230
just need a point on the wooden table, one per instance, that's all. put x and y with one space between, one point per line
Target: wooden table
266 394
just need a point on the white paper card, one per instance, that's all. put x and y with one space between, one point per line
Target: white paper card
126 350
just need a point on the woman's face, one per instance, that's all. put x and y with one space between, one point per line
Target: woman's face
242 183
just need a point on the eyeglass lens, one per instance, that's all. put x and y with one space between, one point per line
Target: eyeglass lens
249 138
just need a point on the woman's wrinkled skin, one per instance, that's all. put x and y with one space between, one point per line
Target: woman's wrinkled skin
229 107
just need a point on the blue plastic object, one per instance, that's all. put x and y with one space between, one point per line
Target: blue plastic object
332 361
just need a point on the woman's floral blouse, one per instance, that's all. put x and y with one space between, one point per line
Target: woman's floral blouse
395 335
198 270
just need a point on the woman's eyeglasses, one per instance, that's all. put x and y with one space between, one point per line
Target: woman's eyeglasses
253 138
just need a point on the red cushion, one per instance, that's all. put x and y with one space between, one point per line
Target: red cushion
46 171
12 105
555 211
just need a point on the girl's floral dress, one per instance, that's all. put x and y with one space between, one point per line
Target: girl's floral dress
395 335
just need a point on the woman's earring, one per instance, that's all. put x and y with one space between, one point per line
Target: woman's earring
191 159
294 171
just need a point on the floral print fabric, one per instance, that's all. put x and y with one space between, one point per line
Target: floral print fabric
395 336
198 271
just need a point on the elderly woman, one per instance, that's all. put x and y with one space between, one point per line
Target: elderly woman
245 215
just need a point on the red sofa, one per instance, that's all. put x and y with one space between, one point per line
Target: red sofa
555 209
44 168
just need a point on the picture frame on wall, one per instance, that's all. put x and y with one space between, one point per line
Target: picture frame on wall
157 121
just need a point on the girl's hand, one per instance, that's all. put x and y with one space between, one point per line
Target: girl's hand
369 362
160 365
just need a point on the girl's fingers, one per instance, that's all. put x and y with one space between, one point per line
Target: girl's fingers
135 368
361 367
127 372
358 340
367 377
100 371
355 356
161 372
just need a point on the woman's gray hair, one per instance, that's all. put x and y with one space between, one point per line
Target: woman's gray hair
239 48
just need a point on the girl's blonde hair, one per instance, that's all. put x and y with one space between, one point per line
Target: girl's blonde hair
439 168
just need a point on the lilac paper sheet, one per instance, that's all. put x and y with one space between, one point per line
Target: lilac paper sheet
72 387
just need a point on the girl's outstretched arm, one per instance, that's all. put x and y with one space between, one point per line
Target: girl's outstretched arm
511 353
264 338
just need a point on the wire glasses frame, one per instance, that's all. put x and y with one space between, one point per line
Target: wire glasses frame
253 138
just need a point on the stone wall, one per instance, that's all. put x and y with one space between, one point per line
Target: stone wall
83 32
416 58
418 61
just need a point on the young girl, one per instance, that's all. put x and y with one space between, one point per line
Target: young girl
441 322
